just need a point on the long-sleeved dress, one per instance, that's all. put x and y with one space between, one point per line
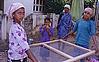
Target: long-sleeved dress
84 30
44 34
64 25
45 37
17 42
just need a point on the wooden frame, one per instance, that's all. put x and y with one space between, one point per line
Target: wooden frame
71 59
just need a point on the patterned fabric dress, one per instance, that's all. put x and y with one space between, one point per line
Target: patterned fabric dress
17 42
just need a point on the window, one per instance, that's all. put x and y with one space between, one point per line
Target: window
34 1
37 1
36 8
40 9
38 5
41 2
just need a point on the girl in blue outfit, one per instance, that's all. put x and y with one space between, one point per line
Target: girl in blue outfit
85 29
64 22
46 32
64 25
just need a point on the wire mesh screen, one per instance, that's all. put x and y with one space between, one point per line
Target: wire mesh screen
68 49
59 51
44 54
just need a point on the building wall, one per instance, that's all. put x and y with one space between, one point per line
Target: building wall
27 3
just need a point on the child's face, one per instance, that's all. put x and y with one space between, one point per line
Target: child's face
47 22
66 10
86 15
19 14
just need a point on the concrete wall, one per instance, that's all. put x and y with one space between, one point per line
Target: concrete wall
27 3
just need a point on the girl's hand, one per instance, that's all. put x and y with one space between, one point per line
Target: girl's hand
71 34
97 51
47 26
43 26
95 46
48 30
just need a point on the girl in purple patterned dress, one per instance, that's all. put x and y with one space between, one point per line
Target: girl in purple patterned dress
19 49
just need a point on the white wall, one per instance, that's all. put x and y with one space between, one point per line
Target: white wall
6 25
27 3
3 28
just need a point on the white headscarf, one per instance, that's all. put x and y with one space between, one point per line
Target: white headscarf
67 6
13 8
89 10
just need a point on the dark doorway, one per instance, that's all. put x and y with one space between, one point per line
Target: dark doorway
1 12
2 5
